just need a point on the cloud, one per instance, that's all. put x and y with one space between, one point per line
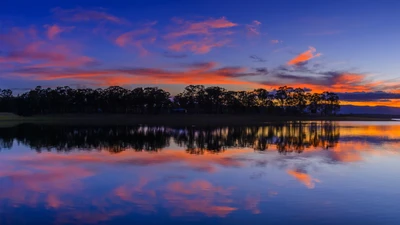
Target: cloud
174 56
253 29
199 47
252 203
41 54
137 38
199 196
60 63
256 58
304 57
16 37
256 22
28 55
201 66
204 73
34 52
276 41
311 77
368 96
33 183
205 27
54 30
85 15
372 99
262 70
199 37
304 178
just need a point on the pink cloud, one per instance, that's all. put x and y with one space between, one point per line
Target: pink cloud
199 37
198 47
253 29
275 41
205 27
256 22
137 39
35 52
17 36
55 30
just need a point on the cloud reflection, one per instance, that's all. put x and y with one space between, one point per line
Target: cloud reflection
304 178
68 183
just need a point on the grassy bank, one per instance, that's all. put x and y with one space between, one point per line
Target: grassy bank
172 120
9 120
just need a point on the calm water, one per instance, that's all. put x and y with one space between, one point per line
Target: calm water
296 173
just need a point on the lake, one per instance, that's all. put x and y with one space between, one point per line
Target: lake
284 173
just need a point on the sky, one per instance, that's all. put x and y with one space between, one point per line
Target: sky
349 47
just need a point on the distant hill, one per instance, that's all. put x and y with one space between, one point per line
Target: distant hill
376 110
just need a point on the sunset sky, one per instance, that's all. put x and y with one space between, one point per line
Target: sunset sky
349 47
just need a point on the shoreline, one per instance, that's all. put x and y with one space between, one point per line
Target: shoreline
176 119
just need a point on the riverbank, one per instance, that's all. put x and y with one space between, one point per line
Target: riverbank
173 120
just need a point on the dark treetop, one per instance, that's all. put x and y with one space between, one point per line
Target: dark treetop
153 100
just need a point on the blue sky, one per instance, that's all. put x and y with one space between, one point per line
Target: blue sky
342 46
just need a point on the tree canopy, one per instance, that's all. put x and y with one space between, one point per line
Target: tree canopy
153 100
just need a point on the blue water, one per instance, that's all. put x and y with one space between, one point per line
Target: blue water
310 173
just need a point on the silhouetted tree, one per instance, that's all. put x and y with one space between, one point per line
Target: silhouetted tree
330 103
6 100
153 100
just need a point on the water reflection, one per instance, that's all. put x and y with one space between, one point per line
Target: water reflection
281 174
287 137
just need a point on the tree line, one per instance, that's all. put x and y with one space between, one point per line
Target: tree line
153 100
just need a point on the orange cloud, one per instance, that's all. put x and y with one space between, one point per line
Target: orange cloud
335 81
384 102
352 82
304 57
347 156
191 75
304 178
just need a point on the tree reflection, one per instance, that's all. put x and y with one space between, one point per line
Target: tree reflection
285 137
